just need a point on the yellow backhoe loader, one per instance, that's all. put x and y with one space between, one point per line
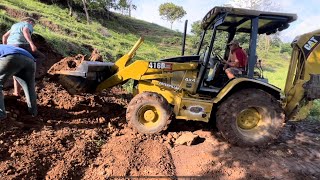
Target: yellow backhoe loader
247 110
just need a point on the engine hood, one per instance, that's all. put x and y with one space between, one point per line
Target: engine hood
182 59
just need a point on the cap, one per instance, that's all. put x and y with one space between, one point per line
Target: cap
234 42
28 19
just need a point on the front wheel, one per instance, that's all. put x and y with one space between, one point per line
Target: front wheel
250 117
149 113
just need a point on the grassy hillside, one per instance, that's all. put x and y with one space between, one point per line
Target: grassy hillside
115 36
71 35
275 66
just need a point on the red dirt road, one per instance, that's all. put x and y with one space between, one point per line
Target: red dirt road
86 137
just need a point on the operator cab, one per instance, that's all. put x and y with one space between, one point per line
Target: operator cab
223 24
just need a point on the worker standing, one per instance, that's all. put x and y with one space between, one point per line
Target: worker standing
20 36
15 61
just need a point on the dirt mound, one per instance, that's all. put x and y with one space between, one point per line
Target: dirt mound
51 55
19 14
128 155
67 64
64 138
96 56
86 136
81 136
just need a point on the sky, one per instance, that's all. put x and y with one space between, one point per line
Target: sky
308 12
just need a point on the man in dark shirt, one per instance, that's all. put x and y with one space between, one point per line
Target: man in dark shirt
15 61
237 60
20 36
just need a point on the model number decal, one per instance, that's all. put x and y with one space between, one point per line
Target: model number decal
190 80
169 85
160 65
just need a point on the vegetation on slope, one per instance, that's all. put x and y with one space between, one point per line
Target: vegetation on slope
71 34
116 34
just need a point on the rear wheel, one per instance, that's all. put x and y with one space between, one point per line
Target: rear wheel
250 117
149 113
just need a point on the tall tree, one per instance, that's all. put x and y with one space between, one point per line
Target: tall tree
264 5
108 4
123 6
86 10
131 7
69 2
171 12
126 6
196 28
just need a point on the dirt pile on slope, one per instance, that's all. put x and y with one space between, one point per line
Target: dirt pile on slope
81 136
128 155
51 56
86 136
76 136
67 64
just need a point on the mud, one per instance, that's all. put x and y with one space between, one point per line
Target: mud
86 137
67 64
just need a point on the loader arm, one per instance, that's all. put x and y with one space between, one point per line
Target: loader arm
133 71
124 72
303 79
122 62
90 76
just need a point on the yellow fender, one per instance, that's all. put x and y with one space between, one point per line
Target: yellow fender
245 82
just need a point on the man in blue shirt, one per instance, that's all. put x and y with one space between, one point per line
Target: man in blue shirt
20 36
15 61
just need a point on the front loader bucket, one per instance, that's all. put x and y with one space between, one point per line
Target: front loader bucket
81 76
86 77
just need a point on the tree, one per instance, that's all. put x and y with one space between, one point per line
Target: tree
86 10
126 6
131 7
123 5
196 28
263 5
69 2
78 3
171 12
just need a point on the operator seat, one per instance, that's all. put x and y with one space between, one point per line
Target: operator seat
201 75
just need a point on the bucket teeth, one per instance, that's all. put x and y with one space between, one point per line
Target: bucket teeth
76 85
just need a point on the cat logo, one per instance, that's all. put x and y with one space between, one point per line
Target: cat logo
310 45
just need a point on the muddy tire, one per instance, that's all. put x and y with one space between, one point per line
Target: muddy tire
149 113
250 117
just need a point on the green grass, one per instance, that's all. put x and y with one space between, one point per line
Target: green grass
116 36
275 66
113 37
